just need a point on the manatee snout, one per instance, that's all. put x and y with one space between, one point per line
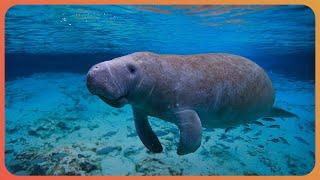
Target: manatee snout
112 81
97 81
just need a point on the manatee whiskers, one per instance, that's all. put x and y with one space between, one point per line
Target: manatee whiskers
140 83
151 90
113 79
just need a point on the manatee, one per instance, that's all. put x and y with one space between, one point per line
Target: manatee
213 90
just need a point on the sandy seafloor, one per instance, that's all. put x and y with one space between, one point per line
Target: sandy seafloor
55 127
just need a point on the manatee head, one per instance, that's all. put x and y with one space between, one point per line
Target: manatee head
114 80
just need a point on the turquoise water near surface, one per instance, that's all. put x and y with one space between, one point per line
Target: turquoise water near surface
54 126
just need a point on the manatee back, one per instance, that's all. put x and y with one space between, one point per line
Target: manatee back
224 84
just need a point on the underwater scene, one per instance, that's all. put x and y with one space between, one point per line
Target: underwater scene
55 126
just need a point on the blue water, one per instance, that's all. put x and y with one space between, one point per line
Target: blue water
50 48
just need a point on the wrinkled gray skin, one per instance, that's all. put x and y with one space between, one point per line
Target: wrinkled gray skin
195 91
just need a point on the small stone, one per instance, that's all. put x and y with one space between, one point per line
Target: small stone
21 173
33 132
58 156
42 128
132 134
9 151
129 151
12 130
77 128
71 118
63 126
252 153
115 165
26 155
88 167
71 173
83 156
107 150
250 174
92 127
12 141
16 165
38 160
153 166
38 170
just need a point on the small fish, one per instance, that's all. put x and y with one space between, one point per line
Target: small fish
223 136
207 138
120 110
243 164
228 129
245 130
283 140
275 140
258 123
300 126
300 139
247 125
311 153
258 133
161 133
115 113
110 133
129 119
238 138
268 119
252 153
260 146
274 126
236 149
223 146
228 140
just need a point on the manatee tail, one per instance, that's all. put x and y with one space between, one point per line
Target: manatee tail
278 112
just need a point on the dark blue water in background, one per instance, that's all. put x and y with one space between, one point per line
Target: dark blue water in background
73 38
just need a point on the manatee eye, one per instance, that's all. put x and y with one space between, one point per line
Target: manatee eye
131 68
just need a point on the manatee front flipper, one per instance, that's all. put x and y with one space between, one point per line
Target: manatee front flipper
145 133
190 128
